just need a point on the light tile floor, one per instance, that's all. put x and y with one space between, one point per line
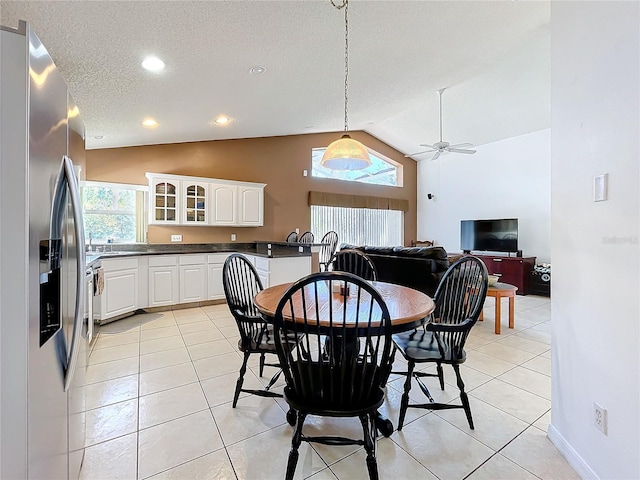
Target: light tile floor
159 406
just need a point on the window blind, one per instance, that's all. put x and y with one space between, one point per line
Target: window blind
359 226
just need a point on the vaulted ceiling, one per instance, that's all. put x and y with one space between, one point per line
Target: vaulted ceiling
492 56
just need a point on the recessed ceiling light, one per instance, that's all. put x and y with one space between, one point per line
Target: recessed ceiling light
149 122
222 120
257 70
153 64
99 137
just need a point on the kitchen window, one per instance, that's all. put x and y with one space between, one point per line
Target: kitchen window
114 212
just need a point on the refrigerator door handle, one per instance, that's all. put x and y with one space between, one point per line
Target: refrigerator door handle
68 182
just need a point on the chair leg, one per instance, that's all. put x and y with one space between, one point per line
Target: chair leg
295 444
404 403
240 380
369 430
393 359
463 396
262 360
440 375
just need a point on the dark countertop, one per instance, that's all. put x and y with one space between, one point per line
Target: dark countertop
259 249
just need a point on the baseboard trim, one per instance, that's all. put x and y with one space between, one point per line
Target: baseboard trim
575 460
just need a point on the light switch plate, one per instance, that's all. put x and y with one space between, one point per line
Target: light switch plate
233 237
176 238
600 187
297 230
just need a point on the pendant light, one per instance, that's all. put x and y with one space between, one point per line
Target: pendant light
345 153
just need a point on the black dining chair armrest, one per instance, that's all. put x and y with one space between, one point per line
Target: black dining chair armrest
250 318
448 327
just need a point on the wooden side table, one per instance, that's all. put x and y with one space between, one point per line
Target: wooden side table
498 291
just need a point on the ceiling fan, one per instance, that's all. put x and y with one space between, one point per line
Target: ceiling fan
441 147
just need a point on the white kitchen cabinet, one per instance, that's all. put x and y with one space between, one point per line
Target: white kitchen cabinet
183 200
215 264
164 198
250 206
193 278
120 294
263 266
195 208
274 271
224 204
288 269
163 280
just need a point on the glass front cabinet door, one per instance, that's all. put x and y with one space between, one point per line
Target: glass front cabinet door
194 210
165 200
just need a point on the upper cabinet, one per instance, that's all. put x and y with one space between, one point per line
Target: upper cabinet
182 200
224 204
195 210
163 195
251 205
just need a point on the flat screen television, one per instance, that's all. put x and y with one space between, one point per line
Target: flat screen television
489 235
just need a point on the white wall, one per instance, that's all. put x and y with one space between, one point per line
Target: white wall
595 98
506 179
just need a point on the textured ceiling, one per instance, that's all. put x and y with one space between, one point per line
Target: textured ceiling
492 56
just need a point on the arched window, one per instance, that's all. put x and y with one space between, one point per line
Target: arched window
383 170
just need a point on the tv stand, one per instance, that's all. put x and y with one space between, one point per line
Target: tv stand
512 270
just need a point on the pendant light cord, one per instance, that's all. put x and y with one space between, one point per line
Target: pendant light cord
345 5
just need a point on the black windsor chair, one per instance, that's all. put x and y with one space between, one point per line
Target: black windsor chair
241 283
306 237
347 379
329 245
459 300
292 238
356 262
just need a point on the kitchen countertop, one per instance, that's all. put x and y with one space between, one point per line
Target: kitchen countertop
259 249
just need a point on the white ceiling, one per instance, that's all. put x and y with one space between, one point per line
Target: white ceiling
492 56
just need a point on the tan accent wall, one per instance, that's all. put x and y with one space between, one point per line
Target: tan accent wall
276 161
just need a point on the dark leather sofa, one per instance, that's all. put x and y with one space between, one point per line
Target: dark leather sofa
416 267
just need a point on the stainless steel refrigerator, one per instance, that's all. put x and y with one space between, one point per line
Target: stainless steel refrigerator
43 348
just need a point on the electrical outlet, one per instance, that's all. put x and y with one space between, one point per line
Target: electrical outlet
297 230
233 237
176 238
600 417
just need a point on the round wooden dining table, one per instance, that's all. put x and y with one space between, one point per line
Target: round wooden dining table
408 308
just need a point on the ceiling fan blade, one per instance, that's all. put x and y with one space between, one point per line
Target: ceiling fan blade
436 155
462 145
418 153
457 150
427 145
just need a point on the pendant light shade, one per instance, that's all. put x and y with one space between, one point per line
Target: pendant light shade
345 154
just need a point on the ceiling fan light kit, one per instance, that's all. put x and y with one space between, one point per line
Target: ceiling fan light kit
345 153
441 146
